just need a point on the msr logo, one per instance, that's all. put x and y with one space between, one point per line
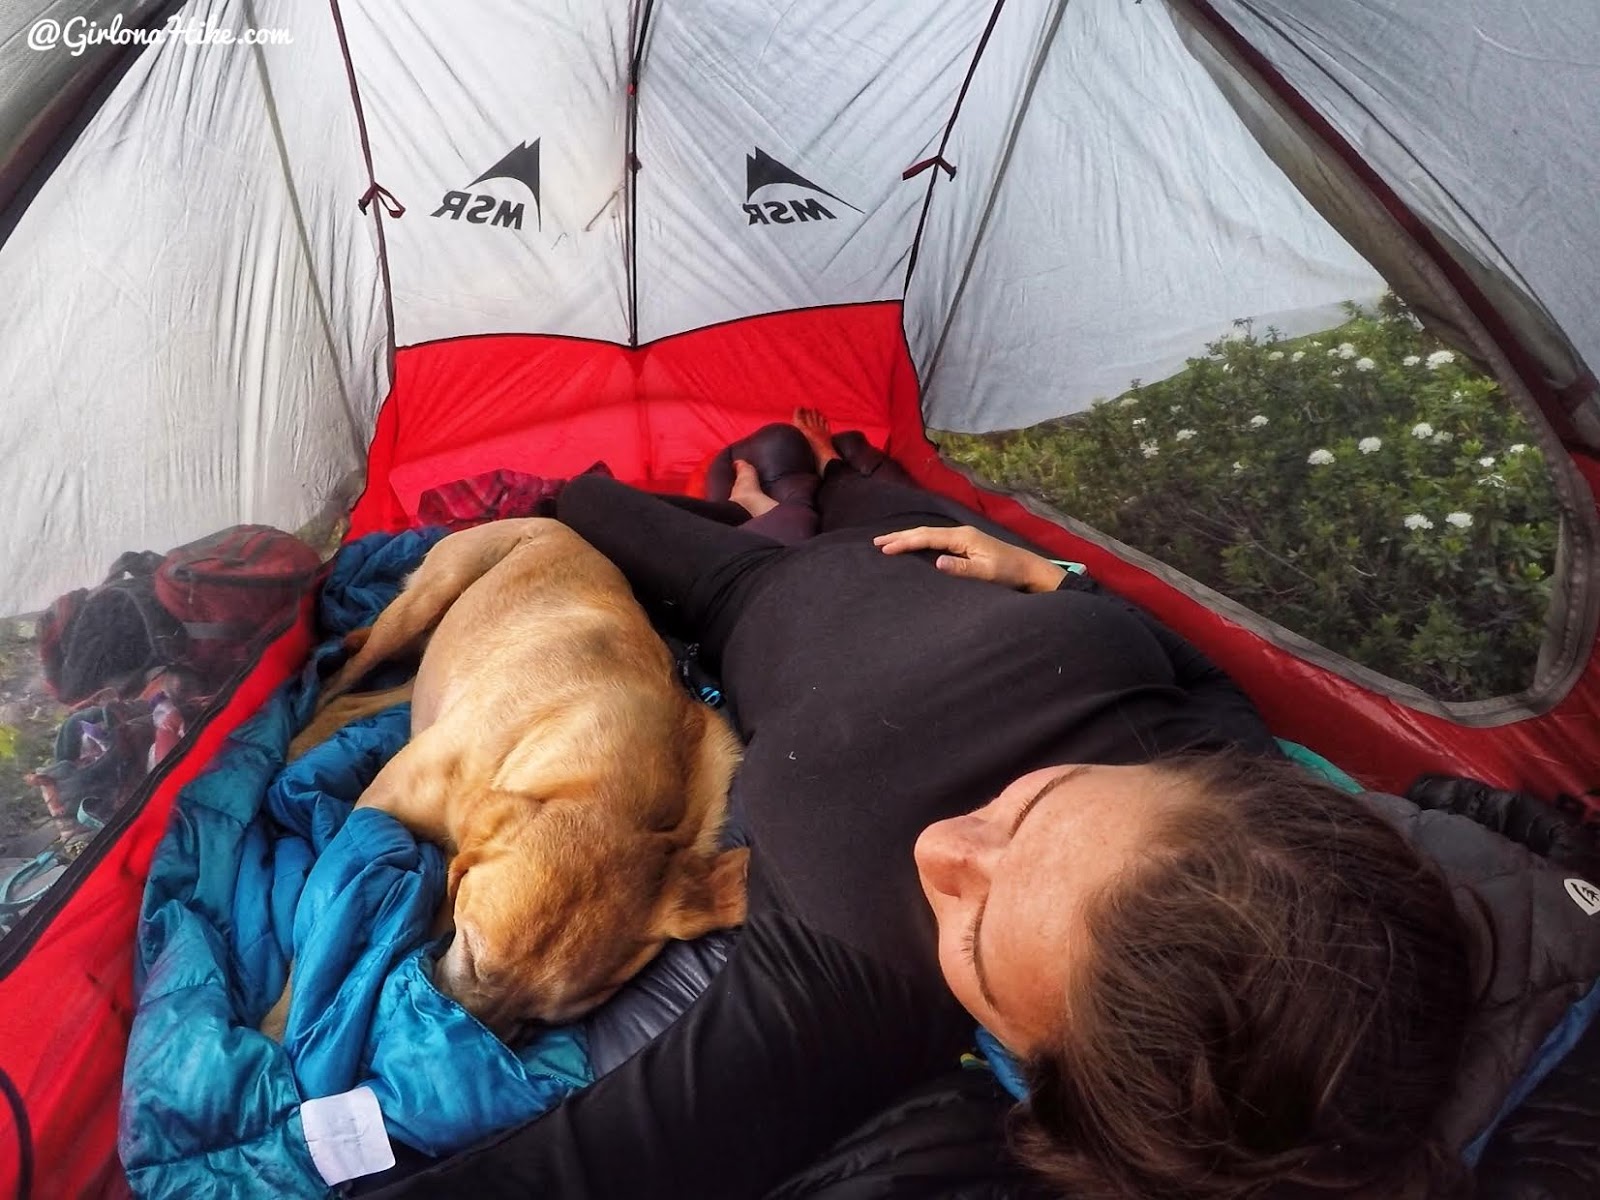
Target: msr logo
761 170
520 166
1585 895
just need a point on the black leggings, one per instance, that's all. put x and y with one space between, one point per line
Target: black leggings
691 565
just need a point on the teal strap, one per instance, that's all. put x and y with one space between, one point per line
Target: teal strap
1075 568
1006 1068
1319 766
14 894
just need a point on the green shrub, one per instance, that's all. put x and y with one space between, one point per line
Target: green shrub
1366 488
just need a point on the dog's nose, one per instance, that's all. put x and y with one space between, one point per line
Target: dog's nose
517 1032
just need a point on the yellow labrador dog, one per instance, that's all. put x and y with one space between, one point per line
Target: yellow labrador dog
553 752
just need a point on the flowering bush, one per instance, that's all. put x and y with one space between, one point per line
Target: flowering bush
1397 513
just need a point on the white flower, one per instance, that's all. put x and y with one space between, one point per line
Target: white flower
1257 421
1486 461
1138 421
1460 520
1150 449
1422 430
1347 350
1275 356
1516 447
1370 445
1418 521
1411 360
1185 434
1238 467
1128 401
1440 358
1443 438
1336 372
1320 458
1297 356
1498 481
1333 354
1366 364
1176 408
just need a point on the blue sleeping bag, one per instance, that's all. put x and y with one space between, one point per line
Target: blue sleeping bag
263 865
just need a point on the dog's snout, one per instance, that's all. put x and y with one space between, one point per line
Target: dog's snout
518 1031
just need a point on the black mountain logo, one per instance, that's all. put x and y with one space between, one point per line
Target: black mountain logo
762 170
521 164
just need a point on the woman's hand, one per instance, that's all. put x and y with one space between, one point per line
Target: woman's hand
972 554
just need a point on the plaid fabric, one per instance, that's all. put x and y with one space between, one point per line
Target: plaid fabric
493 496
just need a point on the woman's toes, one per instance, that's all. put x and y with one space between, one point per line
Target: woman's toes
746 491
812 423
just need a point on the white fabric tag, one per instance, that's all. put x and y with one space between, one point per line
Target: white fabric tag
1585 895
346 1135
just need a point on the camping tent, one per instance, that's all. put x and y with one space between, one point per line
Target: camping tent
283 257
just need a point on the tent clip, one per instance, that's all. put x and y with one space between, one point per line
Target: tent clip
385 197
938 160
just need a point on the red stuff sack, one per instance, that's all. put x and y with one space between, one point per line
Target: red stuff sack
228 587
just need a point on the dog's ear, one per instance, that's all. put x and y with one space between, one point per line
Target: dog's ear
459 866
702 893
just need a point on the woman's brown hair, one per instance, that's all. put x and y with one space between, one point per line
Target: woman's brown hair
1272 1004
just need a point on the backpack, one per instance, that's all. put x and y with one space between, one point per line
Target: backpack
228 587
196 607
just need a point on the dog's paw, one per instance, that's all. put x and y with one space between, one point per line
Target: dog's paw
299 746
709 893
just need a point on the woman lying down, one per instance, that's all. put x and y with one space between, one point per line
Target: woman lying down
980 791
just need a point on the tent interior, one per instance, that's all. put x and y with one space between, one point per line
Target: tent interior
308 279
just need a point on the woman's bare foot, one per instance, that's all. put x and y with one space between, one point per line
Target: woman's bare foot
819 433
746 491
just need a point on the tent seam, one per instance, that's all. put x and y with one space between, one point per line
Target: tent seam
1013 135
631 166
372 181
357 443
655 341
944 141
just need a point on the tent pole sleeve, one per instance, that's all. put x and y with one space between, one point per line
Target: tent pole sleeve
373 187
1037 69
631 239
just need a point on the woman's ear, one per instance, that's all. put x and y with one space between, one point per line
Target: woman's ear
702 893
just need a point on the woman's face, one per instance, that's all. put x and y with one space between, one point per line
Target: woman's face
1008 882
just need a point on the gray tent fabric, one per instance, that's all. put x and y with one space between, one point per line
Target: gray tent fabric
193 324
502 130
1476 116
1134 220
1102 210
777 137
41 90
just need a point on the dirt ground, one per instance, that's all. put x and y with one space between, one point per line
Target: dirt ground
29 718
